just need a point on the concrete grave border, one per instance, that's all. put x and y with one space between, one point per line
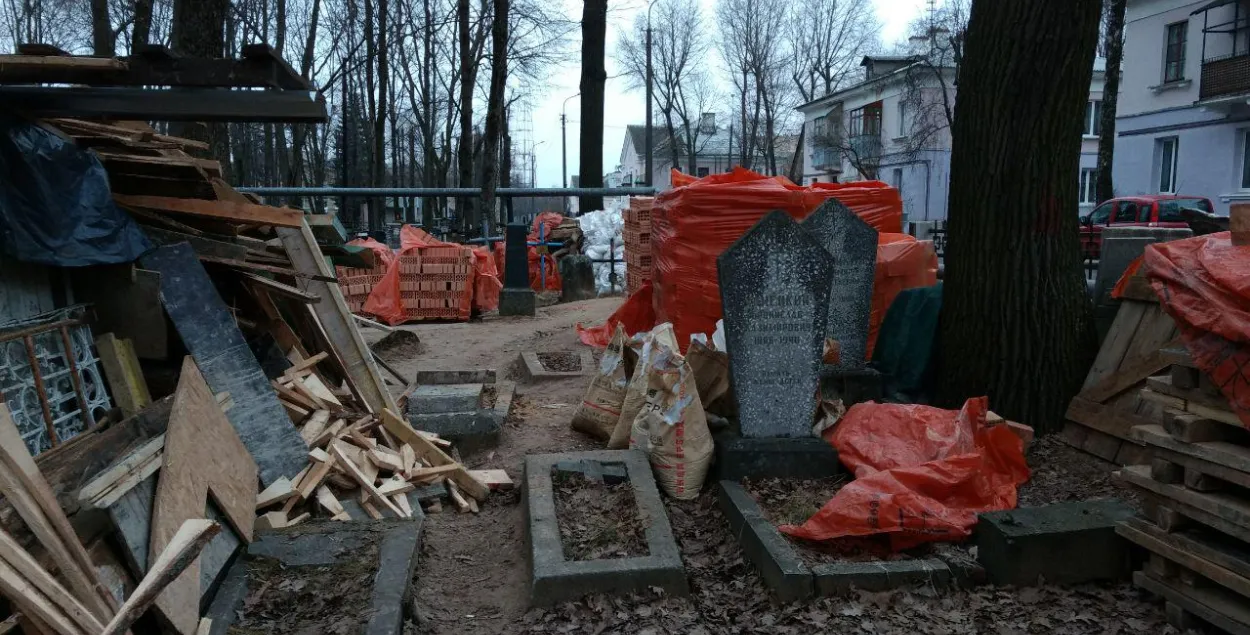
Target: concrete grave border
476 430
534 368
556 579
786 575
797 458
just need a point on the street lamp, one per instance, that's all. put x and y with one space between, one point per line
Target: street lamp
564 153
650 75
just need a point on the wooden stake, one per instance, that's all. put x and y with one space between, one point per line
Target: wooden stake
182 550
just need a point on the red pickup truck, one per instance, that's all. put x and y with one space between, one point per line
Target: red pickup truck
1149 210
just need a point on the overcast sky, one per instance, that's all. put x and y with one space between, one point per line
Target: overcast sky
622 107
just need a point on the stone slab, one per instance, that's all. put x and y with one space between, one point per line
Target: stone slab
472 376
522 302
779 565
209 331
774 286
332 544
852 386
1064 543
516 272
535 370
853 245
882 575
577 278
556 579
472 430
806 458
441 398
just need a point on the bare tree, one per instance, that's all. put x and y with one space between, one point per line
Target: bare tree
594 76
495 108
1113 47
828 40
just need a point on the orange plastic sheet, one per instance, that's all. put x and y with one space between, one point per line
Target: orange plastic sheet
692 224
1117 291
1204 284
486 284
922 474
383 253
902 263
548 221
635 315
386 299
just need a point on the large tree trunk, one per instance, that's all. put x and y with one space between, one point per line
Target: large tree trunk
468 77
494 110
384 97
1015 322
143 24
199 30
1110 97
594 31
102 42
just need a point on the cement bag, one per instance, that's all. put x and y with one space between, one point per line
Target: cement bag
601 406
672 428
645 344
711 375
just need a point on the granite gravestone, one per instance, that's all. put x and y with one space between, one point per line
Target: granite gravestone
774 286
852 244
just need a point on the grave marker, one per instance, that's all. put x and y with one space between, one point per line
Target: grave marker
852 244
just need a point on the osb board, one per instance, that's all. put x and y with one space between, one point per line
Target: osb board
203 456
1109 405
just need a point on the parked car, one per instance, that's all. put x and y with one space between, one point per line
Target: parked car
1149 210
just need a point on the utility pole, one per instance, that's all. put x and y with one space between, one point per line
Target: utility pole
564 151
650 80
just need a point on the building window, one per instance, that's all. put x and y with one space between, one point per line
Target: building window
1245 159
820 127
1174 52
702 172
897 178
902 118
865 121
1089 186
1093 118
1166 151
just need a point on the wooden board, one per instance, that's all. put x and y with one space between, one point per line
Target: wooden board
1223 460
1222 608
1211 560
219 210
336 320
1109 405
125 378
198 430
431 454
228 365
1224 512
126 302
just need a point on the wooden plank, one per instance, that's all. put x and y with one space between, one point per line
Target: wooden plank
305 364
1193 407
227 362
392 486
121 368
180 553
1221 608
277 492
23 485
1113 349
494 479
1225 513
105 480
78 63
35 604
1132 371
119 489
28 568
125 132
314 386
366 483
1190 552
1163 385
332 432
330 503
257 266
284 290
1104 418
221 210
432 455
1227 461
198 429
314 478
336 319
386 461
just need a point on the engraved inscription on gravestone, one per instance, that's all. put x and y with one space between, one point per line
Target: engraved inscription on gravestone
774 285
853 245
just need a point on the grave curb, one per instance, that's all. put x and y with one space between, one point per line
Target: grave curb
789 458
781 568
1066 543
472 376
472 431
534 368
555 579
840 578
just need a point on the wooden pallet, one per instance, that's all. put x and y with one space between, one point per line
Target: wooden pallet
1110 405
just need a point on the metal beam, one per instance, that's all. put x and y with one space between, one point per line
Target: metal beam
447 191
173 104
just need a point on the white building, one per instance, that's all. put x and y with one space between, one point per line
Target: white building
1184 111
894 126
716 151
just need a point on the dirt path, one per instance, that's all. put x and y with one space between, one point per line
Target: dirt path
472 576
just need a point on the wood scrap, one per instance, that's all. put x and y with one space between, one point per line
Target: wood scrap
313 479
132 462
401 500
121 369
330 502
431 454
25 566
393 486
494 479
313 385
182 550
315 425
277 492
284 290
298 519
366 484
386 461
332 432
34 604
246 213
457 498
260 266
271 520
306 364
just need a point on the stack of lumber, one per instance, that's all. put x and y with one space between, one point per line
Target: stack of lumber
637 236
1197 492
1110 403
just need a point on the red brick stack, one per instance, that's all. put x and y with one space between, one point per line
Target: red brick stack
436 283
357 283
637 235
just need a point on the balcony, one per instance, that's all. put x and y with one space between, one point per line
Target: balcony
866 148
826 159
1225 76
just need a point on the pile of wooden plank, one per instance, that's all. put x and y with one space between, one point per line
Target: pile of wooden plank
1197 492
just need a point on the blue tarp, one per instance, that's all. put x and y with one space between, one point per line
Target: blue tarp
55 204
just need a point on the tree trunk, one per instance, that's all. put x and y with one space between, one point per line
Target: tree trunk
796 162
594 32
199 30
494 109
1110 97
384 97
102 42
468 77
143 24
1016 322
